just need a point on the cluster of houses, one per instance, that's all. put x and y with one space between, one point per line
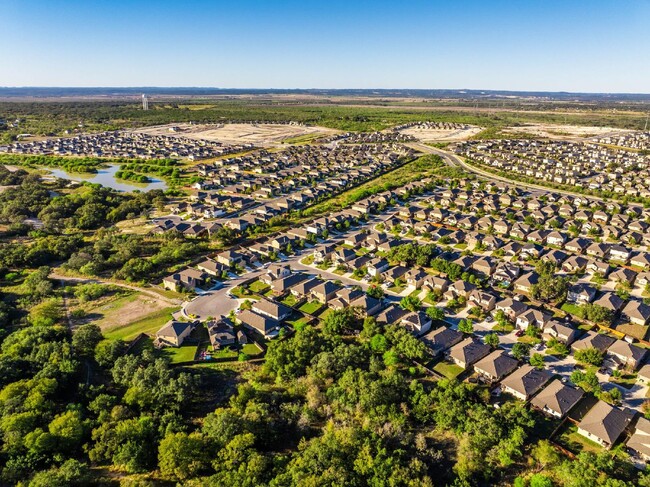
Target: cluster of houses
446 126
633 140
281 197
585 165
491 232
125 144
386 137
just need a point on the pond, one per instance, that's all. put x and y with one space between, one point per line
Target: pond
106 177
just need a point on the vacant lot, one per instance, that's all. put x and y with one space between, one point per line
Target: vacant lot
435 135
563 131
260 135
148 324
125 310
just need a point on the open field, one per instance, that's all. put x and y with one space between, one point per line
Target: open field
556 131
259 135
435 135
123 311
148 324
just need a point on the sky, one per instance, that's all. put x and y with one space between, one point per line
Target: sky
524 45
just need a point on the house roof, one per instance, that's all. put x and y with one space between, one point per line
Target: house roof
442 339
271 308
527 380
627 350
592 339
605 422
173 329
469 351
263 324
640 440
498 364
558 397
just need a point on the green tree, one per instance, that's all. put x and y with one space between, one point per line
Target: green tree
182 456
520 350
492 339
466 326
537 360
86 338
589 356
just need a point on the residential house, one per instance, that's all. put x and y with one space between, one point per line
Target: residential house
637 312
442 339
626 354
557 399
592 339
221 333
468 352
173 333
604 424
264 325
496 365
526 382
639 442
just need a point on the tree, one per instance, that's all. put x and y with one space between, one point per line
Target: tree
537 360
492 339
375 291
338 321
466 326
182 456
545 454
549 288
435 313
107 351
410 303
520 350
86 338
589 356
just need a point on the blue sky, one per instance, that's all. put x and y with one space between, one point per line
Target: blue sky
575 45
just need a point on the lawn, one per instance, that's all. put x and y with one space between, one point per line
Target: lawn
572 309
290 300
240 292
506 328
636 331
396 289
184 353
308 260
224 353
258 287
149 324
569 438
626 380
311 307
251 349
448 369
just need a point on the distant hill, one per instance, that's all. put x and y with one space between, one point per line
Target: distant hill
45 92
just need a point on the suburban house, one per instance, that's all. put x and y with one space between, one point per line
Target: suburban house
526 381
325 291
604 424
496 365
639 442
592 339
416 322
189 279
557 399
637 312
442 339
173 333
562 332
271 309
264 325
468 352
221 333
511 307
532 317
581 293
626 354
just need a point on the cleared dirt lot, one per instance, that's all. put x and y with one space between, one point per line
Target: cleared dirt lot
564 131
260 135
436 135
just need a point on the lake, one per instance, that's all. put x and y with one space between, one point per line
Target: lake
106 177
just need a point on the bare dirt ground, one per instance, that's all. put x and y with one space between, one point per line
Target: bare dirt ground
564 131
434 135
260 135
120 312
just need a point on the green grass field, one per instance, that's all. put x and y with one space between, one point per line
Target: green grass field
149 325
448 369
311 307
